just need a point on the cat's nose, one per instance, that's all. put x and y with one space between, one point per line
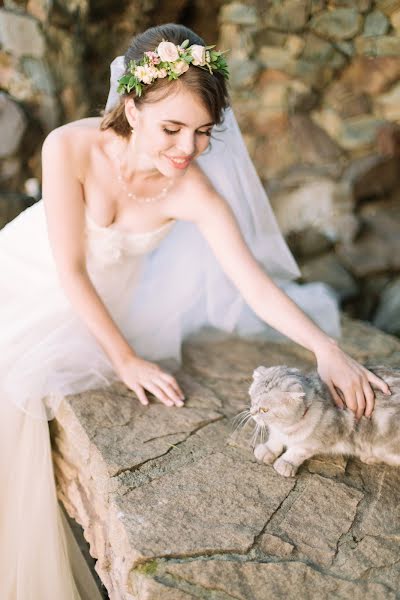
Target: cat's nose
253 411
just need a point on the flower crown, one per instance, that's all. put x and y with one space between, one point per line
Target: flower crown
169 60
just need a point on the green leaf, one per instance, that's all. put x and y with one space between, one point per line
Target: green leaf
184 44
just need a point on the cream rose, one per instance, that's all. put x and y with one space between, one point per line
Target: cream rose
180 67
198 54
167 51
161 73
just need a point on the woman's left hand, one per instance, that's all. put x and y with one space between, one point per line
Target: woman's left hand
343 374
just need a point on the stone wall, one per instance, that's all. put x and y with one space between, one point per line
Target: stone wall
316 88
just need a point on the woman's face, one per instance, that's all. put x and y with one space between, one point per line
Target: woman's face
169 133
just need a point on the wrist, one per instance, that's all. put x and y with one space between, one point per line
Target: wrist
123 356
325 347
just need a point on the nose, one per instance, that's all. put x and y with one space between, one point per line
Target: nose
253 411
187 144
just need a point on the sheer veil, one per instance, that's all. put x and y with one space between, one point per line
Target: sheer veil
183 288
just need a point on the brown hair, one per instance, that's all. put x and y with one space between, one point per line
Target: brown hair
210 87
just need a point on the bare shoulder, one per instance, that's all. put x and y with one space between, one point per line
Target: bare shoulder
72 142
198 198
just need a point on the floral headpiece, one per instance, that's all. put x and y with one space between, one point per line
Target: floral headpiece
169 60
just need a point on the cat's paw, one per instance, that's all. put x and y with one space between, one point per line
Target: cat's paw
264 454
284 468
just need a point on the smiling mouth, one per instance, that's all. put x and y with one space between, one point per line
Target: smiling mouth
180 162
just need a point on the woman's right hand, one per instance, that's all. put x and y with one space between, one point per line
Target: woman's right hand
140 375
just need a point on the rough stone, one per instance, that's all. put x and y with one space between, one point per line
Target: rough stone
345 101
12 125
383 45
361 5
243 73
328 268
21 35
274 545
395 21
238 13
288 15
387 315
372 175
388 7
360 132
202 516
337 24
377 249
370 254
388 105
259 581
317 537
130 434
372 558
308 243
170 526
371 75
322 204
376 23
39 74
321 51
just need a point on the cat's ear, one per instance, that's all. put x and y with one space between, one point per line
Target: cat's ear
262 372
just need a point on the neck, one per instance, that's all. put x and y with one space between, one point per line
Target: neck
134 167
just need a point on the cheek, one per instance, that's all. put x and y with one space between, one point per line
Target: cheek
203 142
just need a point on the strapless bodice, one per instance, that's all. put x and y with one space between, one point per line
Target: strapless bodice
111 245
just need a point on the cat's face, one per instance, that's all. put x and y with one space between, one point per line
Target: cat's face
277 396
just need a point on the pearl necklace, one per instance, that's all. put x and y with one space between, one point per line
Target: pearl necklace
141 199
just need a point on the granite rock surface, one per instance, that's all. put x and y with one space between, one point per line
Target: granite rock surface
174 505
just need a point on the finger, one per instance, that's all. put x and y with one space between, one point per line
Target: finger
350 399
369 399
140 393
336 398
360 403
174 383
379 383
169 391
159 393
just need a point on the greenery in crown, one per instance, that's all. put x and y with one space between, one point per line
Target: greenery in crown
169 60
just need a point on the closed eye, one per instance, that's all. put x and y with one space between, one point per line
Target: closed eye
173 132
263 410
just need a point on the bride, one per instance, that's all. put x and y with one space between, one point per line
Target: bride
153 223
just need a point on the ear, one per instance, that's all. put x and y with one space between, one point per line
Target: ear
261 372
131 111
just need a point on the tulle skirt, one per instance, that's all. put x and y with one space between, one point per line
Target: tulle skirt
39 558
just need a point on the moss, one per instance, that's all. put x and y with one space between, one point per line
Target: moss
149 568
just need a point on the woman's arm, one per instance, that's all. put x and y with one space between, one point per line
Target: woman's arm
219 227
64 206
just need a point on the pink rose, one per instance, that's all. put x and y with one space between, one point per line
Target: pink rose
198 54
167 51
180 67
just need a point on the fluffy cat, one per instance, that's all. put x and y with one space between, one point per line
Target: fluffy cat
302 420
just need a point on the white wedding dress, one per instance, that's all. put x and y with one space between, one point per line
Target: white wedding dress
156 295
45 353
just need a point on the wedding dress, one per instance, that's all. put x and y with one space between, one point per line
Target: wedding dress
45 353
159 286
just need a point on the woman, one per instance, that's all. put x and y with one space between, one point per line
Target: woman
132 248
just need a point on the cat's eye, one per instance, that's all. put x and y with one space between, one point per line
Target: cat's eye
262 409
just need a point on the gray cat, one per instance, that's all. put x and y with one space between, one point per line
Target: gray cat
302 420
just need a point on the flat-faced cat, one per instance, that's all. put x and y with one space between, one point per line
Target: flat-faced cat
302 420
